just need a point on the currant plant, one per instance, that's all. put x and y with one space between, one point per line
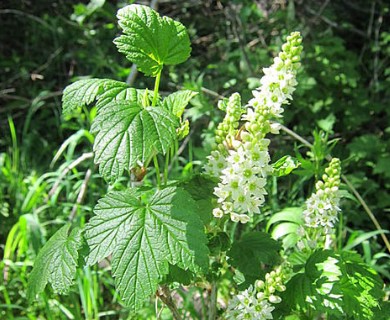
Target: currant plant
147 229
185 232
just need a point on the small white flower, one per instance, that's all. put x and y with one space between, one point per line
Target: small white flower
244 218
255 203
236 157
218 213
249 116
221 192
234 217
275 127
227 206
215 164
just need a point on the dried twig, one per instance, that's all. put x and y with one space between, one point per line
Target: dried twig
165 295
335 24
71 166
213 301
81 194
236 23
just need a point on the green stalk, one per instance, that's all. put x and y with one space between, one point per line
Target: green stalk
154 102
155 161
166 168
156 86
47 306
190 155
340 235
7 302
15 150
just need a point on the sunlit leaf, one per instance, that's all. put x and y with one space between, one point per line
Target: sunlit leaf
56 263
145 231
127 133
151 41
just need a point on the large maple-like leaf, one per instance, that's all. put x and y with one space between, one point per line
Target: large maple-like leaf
128 134
144 232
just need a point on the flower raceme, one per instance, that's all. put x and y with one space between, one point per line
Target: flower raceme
241 160
322 208
257 301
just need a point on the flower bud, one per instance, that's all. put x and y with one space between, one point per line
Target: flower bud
281 288
260 295
274 299
260 284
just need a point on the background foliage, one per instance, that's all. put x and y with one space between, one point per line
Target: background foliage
47 174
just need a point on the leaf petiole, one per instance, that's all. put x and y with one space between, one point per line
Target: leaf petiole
166 167
158 175
156 86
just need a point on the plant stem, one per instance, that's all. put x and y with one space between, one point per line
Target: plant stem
166 167
158 175
165 296
213 301
7 302
156 86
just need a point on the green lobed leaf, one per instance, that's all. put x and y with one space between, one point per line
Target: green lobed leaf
177 101
219 242
336 284
361 286
177 274
251 251
382 312
151 41
144 232
56 263
201 190
127 133
86 91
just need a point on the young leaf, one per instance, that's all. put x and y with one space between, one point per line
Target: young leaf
284 166
252 250
127 133
285 225
151 41
86 91
144 235
177 101
56 263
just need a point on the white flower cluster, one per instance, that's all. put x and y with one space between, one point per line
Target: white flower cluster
241 161
215 164
245 305
322 207
242 186
257 302
278 82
